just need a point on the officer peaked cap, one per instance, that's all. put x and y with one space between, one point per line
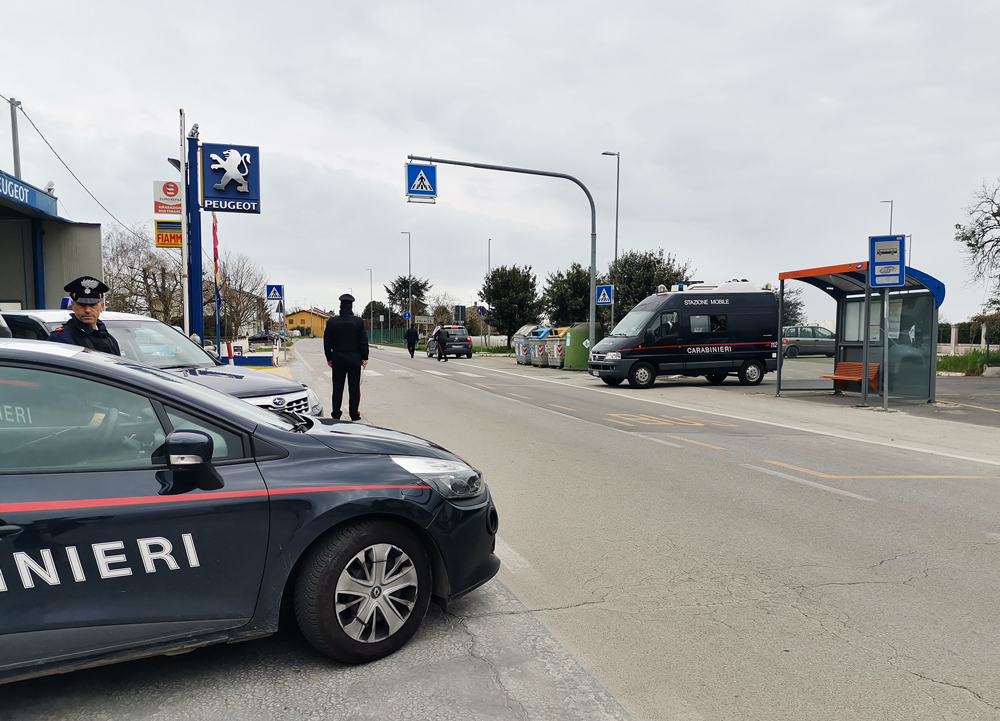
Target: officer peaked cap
86 290
347 298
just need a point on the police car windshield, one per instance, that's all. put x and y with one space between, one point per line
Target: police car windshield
244 410
633 323
157 344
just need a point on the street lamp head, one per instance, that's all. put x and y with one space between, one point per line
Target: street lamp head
608 152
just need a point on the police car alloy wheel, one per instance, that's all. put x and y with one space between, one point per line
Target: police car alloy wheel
751 373
363 591
641 375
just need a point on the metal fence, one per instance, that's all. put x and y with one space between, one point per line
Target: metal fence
386 335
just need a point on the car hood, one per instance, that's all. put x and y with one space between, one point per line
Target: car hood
617 343
360 438
239 382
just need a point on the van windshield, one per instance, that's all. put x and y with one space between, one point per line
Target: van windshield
633 323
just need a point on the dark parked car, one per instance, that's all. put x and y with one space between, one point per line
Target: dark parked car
459 342
808 340
143 514
150 342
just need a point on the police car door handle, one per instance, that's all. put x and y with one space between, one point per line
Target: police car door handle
9 530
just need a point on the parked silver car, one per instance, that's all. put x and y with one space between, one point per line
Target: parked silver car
808 340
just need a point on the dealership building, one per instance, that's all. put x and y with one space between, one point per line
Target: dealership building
39 251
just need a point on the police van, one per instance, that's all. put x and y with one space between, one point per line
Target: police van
694 330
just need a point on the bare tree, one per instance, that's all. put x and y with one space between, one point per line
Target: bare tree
241 291
442 307
981 233
142 279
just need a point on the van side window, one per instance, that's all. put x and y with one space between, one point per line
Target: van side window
665 325
708 323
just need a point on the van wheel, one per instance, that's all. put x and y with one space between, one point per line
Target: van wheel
641 375
716 378
792 352
613 381
751 374
469 354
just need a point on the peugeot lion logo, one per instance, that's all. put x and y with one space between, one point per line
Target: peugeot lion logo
232 165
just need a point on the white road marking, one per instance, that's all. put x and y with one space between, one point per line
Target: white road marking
471 375
304 361
510 558
376 374
437 373
804 482
788 426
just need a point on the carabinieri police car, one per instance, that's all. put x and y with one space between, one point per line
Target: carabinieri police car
143 514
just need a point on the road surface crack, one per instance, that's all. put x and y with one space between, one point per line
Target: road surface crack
979 697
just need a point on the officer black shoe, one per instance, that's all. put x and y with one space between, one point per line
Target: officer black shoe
356 418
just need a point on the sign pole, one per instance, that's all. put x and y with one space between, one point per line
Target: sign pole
885 349
185 280
195 290
867 333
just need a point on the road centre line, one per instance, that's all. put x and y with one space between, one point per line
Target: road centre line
873 478
521 397
489 388
435 373
471 375
804 482
572 410
623 423
732 416
969 405
699 443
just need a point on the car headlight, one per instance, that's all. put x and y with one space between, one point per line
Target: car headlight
613 355
452 479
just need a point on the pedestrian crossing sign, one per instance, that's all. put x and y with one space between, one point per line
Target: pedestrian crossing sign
421 182
275 292
605 294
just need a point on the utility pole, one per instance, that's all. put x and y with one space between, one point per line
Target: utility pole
409 277
185 277
371 303
14 105
618 178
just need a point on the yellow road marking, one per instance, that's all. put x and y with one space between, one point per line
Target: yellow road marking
699 443
621 423
489 388
969 405
643 419
827 475
521 397
564 408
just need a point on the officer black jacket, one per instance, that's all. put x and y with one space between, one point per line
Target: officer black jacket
411 335
345 340
73 332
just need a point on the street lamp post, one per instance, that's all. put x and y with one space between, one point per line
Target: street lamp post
409 274
618 177
371 303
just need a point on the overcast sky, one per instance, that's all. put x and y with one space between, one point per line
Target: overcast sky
754 137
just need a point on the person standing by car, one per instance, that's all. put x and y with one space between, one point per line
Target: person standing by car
84 327
442 340
411 339
345 343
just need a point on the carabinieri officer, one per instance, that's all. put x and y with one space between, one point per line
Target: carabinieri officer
84 327
345 343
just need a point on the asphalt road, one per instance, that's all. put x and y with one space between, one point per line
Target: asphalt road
686 552
714 552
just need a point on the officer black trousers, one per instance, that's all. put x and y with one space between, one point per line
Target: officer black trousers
411 347
353 377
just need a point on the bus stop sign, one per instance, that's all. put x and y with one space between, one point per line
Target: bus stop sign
885 261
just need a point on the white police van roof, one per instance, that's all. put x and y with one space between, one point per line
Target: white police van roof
731 286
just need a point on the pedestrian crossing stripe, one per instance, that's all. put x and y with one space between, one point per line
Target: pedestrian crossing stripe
375 374
275 294
604 297
437 373
422 184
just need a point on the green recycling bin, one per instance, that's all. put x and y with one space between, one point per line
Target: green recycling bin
578 345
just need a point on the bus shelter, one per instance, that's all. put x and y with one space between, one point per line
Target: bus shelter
911 332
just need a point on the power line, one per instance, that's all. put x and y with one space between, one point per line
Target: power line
70 171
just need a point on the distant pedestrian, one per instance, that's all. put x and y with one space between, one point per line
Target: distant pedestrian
345 343
411 339
441 337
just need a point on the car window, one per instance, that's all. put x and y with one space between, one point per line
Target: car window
632 323
822 332
27 329
805 332
664 324
227 445
791 332
708 323
458 331
157 344
51 421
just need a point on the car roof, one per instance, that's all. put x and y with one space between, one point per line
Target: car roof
51 315
64 356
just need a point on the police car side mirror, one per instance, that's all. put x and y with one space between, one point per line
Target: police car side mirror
191 451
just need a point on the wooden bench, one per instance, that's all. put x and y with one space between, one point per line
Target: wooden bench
851 371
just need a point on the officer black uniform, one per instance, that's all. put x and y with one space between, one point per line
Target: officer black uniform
411 337
87 294
345 343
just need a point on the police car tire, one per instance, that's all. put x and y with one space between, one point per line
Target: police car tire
641 375
613 381
750 377
469 354
792 352
716 378
316 585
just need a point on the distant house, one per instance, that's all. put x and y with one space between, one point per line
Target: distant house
312 321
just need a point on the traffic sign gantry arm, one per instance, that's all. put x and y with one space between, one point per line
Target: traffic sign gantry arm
550 174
